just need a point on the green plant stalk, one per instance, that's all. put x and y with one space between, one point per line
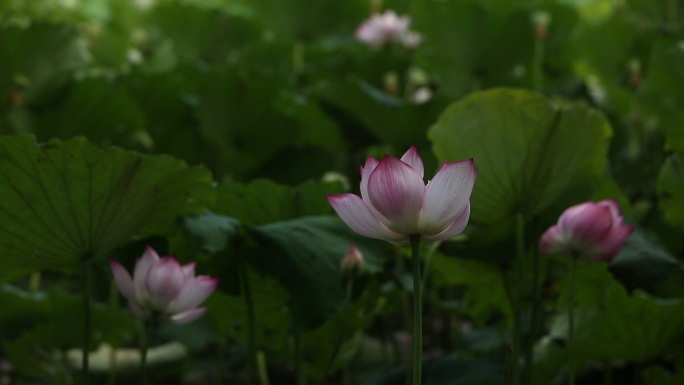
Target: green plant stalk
113 304
506 378
144 345
508 360
298 58
607 375
534 319
571 322
538 64
518 303
34 282
299 367
417 340
251 324
672 10
261 366
86 321
343 334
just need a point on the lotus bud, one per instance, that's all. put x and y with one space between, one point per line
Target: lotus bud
591 230
353 262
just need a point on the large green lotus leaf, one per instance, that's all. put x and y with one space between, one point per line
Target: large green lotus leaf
389 119
63 201
211 231
610 323
304 254
671 189
238 116
47 319
662 97
208 34
310 20
343 331
471 45
95 107
228 314
37 54
485 290
675 136
167 102
528 150
643 264
263 201
29 361
453 371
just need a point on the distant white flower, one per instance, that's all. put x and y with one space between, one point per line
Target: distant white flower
385 28
411 39
134 56
421 95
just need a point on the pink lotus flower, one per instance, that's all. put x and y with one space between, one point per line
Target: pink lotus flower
162 288
353 262
395 203
591 230
382 29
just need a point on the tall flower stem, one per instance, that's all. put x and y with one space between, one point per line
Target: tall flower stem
299 364
262 368
144 345
417 339
343 334
113 304
518 303
571 322
86 321
534 318
538 65
672 7
298 60
34 282
251 323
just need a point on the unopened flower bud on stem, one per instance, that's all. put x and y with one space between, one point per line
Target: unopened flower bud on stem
353 262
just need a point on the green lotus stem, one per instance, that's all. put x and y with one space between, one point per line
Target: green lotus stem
672 8
343 334
417 340
251 324
534 319
538 66
608 375
299 367
261 367
86 321
113 304
144 345
298 58
34 282
571 322
518 303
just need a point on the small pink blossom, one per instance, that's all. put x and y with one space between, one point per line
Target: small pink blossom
385 28
161 287
590 230
395 202
353 261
